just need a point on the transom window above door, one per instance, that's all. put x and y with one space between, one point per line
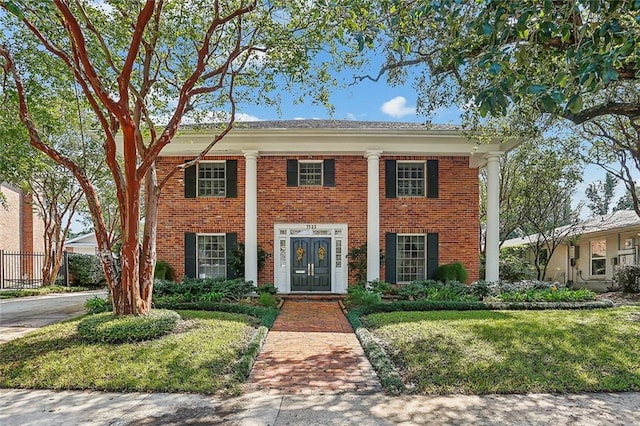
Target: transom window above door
310 173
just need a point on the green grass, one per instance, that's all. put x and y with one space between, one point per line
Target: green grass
481 352
202 355
11 294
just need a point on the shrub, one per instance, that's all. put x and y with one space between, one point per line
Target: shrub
435 290
452 272
548 295
236 261
513 265
380 287
267 300
628 278
107 328
193 289
96 305
86 270
267 315
360 296
267 288
164 271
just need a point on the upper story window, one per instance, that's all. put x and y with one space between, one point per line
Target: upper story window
598 257
410 179
211 180
310 173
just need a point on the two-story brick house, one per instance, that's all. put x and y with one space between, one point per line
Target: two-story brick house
308 191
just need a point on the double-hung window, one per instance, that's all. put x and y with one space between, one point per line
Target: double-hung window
211 251
310 173
598 257
212 180
410 179
411 258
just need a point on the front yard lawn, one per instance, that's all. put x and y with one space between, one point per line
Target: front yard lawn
481 352
202 355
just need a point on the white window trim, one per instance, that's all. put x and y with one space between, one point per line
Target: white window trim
591 258
219 234
198 180
425 255
424 180
312 162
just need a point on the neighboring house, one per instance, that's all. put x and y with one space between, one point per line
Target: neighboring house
83 244
590 254
309 191
21 229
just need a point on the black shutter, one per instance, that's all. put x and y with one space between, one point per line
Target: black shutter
292 172
190 254
329 167
231 242
432 255
190 178
391 243
390 178
432 178
232 178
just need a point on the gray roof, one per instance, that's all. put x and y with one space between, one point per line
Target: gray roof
327 124
616 221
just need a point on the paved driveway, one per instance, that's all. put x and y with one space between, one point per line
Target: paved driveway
21 315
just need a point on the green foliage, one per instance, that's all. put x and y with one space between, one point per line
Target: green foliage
97 305
267 300
357 262
86 270
267 316
236 262
435 290
207 289
628 278
600 194
107 328
513 265
208 354
164 271
267 288
452 272
360 296
381 287
10 294
487 352
548 295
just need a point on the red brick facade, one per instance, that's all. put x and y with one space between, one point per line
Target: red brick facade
453 215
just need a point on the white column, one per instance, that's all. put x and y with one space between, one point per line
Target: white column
492 242
373 214
251 216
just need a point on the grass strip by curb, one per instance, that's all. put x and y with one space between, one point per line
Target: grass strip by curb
389 377
253 349
267 316
430 305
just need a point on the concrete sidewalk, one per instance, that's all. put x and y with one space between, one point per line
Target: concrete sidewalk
41 407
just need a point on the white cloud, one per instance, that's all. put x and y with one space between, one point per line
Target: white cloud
351 116
247 117
397 107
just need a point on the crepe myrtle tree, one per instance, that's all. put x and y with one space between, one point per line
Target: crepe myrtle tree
142 67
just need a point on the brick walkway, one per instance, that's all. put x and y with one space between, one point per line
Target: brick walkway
312 349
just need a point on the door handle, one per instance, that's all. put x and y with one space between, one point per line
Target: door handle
313 270
309 269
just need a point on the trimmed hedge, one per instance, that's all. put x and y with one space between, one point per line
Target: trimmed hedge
267 315
86 270
450 305
107 328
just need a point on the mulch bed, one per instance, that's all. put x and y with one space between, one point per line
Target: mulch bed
619 298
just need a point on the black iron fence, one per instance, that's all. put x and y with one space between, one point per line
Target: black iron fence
24 270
